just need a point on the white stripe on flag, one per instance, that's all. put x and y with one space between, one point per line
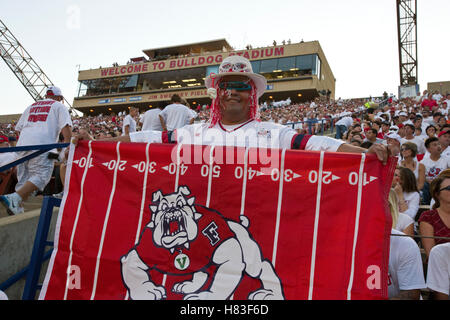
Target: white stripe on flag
316 227
244 189
355 232
105 223
280 200
75 224
211 163
177 179
177 176
144 191
244 181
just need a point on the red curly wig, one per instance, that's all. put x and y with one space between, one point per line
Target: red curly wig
215 114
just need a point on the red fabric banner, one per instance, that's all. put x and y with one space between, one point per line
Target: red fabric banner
164 221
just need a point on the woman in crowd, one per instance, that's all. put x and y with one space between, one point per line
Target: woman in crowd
436 222
400 221
405 186
430 132
406 202
408 152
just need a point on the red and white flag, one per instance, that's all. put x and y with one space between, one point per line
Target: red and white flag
163 221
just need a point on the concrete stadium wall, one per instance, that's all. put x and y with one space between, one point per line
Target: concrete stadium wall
17 235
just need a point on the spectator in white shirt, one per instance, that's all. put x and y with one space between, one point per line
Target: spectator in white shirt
438 272
409 152
405 187
175 115
405 276
437 96
410 137
434 164
129 124
400 221
150 120
343 125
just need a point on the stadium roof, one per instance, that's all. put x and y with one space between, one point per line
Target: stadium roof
198 47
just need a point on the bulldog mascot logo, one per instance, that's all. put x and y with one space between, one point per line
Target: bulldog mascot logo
184 239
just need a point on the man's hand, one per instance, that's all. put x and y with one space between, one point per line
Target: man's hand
381 151
82 135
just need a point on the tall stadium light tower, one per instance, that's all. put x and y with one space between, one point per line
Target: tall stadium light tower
407 43
22 65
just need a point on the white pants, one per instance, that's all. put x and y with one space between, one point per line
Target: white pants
37 170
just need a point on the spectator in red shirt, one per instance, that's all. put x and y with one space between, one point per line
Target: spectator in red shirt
429 102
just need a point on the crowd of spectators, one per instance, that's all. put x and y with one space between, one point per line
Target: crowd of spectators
419 126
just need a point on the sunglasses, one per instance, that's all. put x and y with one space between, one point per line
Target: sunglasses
446 188
235 85
404 149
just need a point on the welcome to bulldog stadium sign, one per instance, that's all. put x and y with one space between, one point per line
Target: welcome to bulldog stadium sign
162 221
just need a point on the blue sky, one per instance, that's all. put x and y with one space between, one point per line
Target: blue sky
359 37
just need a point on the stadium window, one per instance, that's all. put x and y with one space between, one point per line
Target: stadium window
127 84
267 66
305 64
286 64
256 65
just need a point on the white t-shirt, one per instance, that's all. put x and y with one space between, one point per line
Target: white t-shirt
412 199
150 120
446 152
444 111
42 122
7 157
249 134
129 121
438 272
176 116
405 265
434 168
403 222
345 121
437 96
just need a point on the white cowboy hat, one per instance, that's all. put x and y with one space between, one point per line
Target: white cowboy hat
238 65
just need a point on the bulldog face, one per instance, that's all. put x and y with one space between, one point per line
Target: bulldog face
173 219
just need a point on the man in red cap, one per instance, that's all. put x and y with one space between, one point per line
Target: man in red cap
41 123
444 140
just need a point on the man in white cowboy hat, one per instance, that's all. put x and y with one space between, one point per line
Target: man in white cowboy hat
234 119
41 123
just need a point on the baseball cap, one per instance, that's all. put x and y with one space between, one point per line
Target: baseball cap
403 114
53 91
394 135
3 139
443 132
